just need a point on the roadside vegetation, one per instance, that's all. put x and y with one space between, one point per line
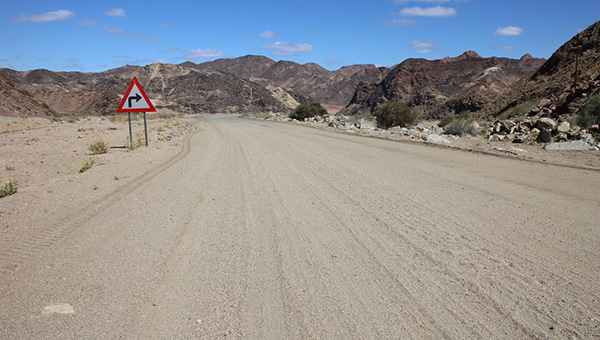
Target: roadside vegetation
9 188
395 113
518 110
459 125
98 147
589 114
86 165
304 111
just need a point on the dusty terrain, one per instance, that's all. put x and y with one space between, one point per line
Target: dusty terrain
249 229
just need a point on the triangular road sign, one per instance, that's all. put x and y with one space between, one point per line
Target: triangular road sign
135 99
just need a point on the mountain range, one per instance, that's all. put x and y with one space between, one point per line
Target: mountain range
250 83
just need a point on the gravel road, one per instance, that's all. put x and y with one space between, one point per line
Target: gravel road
263 230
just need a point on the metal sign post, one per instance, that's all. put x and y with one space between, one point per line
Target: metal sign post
130 135
145 129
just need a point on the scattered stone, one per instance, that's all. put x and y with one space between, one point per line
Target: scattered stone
546 123
544 136
435 138
587 137
563 127
364 124
579 145
520 138
62 308
544 103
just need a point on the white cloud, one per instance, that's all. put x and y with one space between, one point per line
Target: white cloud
285 49
437 12
268 34
401 22
115 12
46 17
507 47
264 35
90 22
509 31
154 41
333 61
74 64
200 54
115 31
165 25
425 46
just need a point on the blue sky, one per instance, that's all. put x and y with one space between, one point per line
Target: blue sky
92 36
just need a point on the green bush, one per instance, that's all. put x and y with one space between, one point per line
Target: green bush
86 165
8 188
304 111
98 147
395 113
446 120
517 110
590 113
460 127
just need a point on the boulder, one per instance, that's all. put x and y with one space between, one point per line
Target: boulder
546 123
545 102
563 127
572 145
544 136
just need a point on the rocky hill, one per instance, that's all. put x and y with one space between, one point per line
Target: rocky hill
564 83
14 101
327 87
440 87
171 87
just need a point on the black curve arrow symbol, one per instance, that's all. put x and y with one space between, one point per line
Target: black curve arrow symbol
137 98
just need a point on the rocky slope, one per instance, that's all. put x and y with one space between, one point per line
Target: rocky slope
565 82
14 101
440 87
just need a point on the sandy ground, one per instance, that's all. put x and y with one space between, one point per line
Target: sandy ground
244 229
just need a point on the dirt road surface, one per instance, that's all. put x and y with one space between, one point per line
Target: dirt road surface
263 230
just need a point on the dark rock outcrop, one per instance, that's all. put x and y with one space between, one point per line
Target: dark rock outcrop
15 101
440 87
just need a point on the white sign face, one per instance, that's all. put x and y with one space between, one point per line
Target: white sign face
135 100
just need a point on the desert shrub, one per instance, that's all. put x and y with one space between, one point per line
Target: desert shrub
395 114
304 111
86 165
8 188
139 139
460 127
590 113
517 110
446 120
98 147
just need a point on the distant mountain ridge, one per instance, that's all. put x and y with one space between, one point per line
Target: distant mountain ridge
467 82
331 87
445 86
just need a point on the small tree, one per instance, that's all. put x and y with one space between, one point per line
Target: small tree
304 111
395 113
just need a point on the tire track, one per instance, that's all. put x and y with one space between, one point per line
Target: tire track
24 249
